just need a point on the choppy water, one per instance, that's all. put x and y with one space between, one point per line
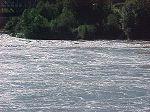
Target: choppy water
72 76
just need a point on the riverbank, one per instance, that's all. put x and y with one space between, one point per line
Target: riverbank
7 39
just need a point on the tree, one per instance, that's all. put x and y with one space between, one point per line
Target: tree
129 18
48 9
34 25
65 21
135 19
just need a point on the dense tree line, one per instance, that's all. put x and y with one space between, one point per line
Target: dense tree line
66 19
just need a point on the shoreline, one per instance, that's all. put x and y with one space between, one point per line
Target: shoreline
67 39
98 39
7 40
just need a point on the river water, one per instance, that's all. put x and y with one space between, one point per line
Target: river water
74 76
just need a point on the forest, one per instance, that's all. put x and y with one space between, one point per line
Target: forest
73 20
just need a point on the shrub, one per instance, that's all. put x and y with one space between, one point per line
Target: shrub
39 29
11 24
33 25
64 22
85 31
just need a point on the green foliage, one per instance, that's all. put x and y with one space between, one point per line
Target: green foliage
39 28
47 10
33 25
135 19
68 4
101 11
113 20
85 31
129 15
64 22
11 25
55 18
113 27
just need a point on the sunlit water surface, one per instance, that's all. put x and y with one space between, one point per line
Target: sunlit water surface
74 76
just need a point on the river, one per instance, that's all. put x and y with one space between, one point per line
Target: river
74 76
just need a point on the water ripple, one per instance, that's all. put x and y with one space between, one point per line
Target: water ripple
74 76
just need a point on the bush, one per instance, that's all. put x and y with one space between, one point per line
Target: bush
85 31
11 25
39 29
33 25
63 23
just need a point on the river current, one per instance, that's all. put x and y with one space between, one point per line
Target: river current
74 76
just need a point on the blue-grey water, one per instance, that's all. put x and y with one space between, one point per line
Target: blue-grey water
74 76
